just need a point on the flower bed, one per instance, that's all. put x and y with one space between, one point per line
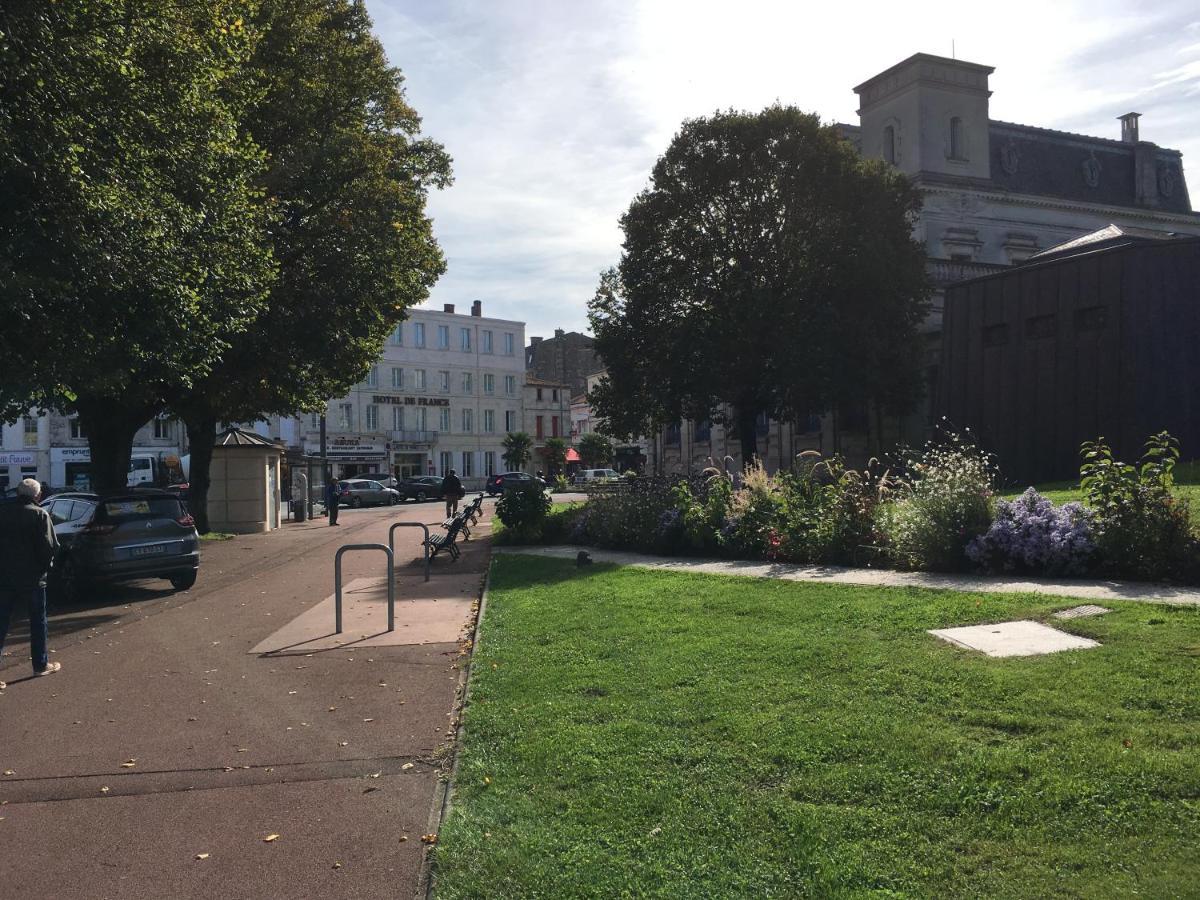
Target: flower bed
935 509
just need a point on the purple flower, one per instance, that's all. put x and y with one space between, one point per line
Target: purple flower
1032 534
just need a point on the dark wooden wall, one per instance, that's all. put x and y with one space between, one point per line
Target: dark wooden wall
1041 358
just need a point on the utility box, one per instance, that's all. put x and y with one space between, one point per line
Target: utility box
244 496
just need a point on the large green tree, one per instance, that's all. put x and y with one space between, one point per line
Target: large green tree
517 448
132 223
347 178
595 450
768 268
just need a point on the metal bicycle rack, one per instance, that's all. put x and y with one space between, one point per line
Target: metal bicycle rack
392 540
337 583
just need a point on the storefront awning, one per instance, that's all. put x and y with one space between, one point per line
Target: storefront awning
572 456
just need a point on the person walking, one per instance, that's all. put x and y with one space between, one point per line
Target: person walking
331 498
452 492
27 548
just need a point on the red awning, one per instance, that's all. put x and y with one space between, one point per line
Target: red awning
572 456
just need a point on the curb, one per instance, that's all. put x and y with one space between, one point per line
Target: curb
443 795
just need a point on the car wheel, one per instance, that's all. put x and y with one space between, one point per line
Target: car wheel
420 496
183 580
355 502
391 500
70 584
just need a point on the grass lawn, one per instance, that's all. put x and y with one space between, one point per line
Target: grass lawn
638 733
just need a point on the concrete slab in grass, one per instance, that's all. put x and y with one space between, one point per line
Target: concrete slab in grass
1082 612
1023 638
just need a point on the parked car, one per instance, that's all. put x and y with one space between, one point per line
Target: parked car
421 488
592 476
138 534
497 484
388 481
361 492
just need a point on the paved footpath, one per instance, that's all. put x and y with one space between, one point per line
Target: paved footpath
165 752
1091 590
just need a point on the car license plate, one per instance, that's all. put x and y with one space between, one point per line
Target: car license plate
148 550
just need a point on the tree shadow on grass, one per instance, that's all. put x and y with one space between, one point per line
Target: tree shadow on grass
521 571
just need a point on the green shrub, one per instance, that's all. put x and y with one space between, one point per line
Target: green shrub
560 483
555 528
705 512
829 511
755 515
1142 529
943 505
523 512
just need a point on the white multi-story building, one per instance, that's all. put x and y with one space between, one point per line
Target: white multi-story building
446 390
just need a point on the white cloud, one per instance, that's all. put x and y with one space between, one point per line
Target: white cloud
555 112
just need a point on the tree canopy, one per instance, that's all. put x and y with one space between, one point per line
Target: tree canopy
347 178
595 450
768 268
517 447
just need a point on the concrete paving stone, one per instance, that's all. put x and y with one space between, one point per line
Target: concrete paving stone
1082 612
1021 638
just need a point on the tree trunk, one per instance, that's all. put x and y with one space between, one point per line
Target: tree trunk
202 437
747 426
110 428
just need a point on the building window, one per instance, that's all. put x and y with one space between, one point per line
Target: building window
163 429
398 335
1041 326
489 421
487 342
489 463
468 464
445 419
373 377
554 426
702 431
444 381
510 421
31 431
468 384
314 420
468 420
541 430
418 334
554 395
372 417
419 414
957 149
889 144
995 335
465 338
345 416
419 379
510 384
443 337
539 394
444 459
508 344
672 433
77 428
397 418
1090 318
397 377
489 384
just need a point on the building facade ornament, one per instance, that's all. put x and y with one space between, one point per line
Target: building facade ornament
1010 157
1091 170
1166 179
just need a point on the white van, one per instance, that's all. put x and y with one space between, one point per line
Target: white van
591 476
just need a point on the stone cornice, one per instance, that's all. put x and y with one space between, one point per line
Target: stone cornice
1191 219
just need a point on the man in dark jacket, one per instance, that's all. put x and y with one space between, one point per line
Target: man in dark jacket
331 498
452 492
27 548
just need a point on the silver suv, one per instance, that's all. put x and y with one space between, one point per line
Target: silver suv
139 534
361 492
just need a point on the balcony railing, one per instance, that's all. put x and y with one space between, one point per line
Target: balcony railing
945 272
413 437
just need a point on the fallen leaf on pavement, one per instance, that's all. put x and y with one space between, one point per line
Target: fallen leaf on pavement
337 865
406 767
270 837
128 764
343 743
201 856
429 838
9 772
403 838
104 790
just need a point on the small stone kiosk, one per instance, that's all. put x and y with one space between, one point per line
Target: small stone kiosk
243 497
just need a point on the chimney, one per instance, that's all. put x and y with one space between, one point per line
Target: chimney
477 308
1129 127
448 307
558 332
534 341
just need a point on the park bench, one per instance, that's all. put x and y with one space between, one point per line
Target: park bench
439 542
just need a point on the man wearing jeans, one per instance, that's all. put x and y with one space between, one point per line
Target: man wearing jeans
27 548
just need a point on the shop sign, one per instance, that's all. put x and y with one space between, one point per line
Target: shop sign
409 401
18 458
70 454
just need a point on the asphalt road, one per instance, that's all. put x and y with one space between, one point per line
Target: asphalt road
162 757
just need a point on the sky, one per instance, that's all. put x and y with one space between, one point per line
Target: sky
555 112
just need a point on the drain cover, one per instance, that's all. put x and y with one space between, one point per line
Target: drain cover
1023 638
1080 612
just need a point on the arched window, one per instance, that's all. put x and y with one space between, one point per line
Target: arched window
889 144
957 150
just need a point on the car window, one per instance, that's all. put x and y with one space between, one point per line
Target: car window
375 485
81 510
130 509
60 511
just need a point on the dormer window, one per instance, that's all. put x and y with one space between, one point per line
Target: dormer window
958 149
889 144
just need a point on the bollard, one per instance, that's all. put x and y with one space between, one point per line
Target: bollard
337 584
392 540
